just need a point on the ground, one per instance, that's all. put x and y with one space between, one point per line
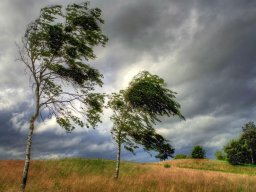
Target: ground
97 175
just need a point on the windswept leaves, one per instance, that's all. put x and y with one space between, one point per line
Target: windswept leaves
149 93
55 38
57 48
95 103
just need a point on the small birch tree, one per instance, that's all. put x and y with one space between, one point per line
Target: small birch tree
136 110
56 49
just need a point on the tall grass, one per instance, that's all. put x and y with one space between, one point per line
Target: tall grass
82 175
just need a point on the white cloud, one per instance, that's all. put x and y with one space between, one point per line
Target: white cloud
55 156
49 125
199 130
19 122
10 152
10 98
108 146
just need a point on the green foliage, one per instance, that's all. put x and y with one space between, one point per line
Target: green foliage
56 49
92 166
220 155
166 165
133 123
133 119
237 152
165 150
243 149
198 152
2 187
180 156
132 128
149 94
95 107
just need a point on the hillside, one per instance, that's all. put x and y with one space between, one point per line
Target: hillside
81 175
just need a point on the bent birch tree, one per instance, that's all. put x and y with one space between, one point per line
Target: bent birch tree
136 110
56 49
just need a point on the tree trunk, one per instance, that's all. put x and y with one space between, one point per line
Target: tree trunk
29 142
28 149
29 139
252 158
118 159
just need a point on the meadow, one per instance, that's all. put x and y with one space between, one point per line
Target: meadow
97 175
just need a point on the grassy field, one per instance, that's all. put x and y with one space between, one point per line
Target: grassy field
81 175
213 165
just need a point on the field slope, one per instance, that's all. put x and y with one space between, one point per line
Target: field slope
96 175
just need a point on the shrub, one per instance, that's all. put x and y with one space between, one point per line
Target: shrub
180 156
221 155
166 165
198 152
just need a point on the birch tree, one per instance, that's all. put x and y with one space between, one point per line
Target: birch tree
56 49
136 110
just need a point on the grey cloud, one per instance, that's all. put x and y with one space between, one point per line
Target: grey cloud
205 50
148 25
222 67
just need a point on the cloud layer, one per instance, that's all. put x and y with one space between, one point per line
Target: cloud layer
205 50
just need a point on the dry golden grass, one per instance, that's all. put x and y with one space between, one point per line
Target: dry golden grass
83 175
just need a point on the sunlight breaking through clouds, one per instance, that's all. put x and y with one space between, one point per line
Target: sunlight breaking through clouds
205 50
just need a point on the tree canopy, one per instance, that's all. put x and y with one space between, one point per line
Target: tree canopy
237 152
149 93
56 49
198 152
132 127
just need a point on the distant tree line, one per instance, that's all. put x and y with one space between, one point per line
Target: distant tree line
198 152
238 151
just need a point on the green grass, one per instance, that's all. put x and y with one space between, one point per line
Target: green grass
65 167
215 165
2 187
167 165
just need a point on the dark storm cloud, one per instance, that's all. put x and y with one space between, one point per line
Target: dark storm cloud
148 26
205 50
49 143
218 87
12 142
86 144
221 65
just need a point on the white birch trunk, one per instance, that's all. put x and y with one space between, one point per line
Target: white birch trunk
29 141
28 150
118 160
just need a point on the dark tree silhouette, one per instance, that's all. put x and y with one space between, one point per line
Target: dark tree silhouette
198 152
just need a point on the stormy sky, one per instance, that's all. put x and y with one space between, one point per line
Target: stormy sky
204 49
